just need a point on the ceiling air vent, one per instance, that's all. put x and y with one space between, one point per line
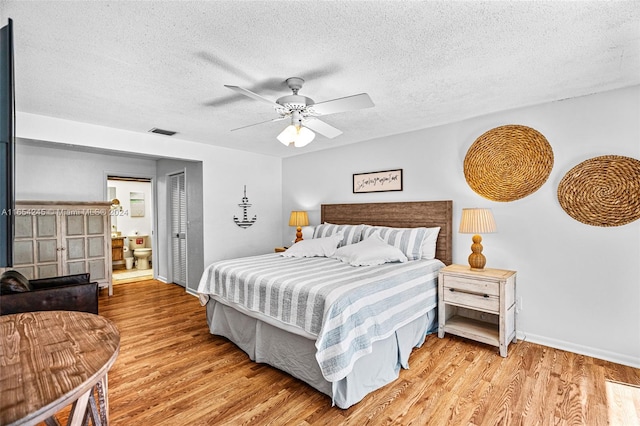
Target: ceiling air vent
163 132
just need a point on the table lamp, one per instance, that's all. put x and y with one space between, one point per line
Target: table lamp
298 219
477 221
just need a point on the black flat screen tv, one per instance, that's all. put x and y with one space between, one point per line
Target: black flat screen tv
7 145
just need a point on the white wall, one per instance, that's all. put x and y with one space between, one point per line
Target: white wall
224 172
57 172
579 284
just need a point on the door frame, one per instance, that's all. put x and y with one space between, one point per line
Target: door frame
154 210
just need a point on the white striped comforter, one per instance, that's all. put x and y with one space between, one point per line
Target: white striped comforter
346 307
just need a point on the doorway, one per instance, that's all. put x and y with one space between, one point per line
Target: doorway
132 228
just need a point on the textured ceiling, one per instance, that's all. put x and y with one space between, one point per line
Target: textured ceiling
138 65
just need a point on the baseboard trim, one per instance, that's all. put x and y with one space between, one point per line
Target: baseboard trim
580 349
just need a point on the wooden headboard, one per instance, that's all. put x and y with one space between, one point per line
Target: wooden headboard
410 214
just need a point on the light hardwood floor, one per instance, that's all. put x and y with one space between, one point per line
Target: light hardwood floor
171 371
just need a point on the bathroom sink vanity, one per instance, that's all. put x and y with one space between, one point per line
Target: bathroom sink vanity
117 252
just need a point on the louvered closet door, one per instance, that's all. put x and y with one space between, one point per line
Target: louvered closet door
178 228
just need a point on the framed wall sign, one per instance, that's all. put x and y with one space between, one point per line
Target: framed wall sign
386 180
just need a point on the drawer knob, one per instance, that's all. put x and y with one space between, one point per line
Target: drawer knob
452 290
486 296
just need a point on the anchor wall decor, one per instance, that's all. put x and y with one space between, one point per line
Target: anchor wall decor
245 222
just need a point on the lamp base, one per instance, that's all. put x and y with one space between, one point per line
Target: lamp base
298 234
476 258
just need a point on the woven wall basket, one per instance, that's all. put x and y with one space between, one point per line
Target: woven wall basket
602 191
508 163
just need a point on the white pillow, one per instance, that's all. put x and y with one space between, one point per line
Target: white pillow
372 251
316 247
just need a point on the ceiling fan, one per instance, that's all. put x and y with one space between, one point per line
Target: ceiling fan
304 112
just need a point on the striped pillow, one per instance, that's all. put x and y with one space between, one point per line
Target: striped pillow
408 240
429 243
352 233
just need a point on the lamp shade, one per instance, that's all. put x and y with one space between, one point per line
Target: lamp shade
477 221
299 218
299 136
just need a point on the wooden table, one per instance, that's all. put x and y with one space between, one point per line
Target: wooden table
49 360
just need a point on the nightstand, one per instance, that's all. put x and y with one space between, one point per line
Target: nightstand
280 249
478 305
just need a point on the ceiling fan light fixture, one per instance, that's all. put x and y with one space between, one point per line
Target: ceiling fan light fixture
299 136
304 110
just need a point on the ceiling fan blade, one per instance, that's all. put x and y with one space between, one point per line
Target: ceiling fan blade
252 95
321 127
262 122
348 103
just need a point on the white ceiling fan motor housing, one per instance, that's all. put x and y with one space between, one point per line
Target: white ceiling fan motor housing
294 102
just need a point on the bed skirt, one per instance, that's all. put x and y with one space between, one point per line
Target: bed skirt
295 354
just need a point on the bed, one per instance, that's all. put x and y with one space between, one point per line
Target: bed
344 330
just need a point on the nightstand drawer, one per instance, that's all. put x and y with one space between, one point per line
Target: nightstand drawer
485 302
472 285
